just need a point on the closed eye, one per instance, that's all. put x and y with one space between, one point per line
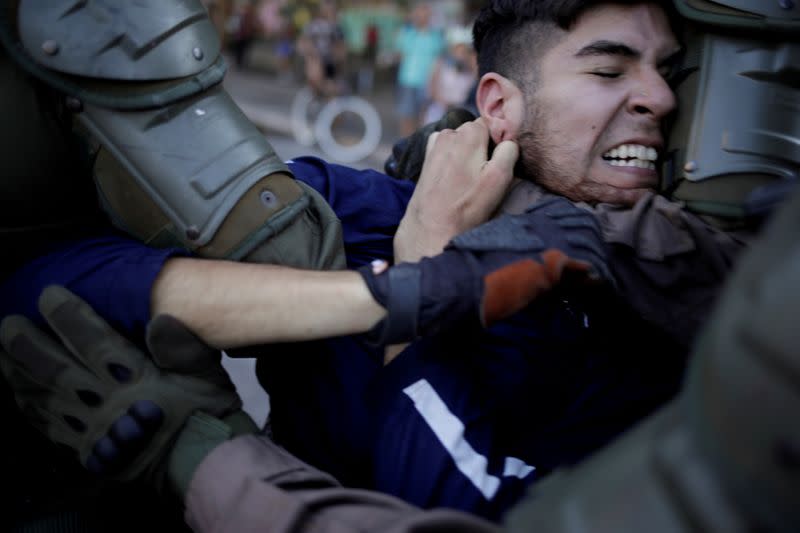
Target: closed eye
607 74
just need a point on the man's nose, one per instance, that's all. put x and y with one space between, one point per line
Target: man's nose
652 96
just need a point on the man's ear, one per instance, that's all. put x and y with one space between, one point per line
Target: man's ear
502 104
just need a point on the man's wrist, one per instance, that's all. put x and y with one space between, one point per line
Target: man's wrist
397 290
411 245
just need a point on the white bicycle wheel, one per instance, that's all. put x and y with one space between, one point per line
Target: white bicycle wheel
347 152
301 117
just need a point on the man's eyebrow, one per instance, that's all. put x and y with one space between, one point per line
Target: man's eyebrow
607 48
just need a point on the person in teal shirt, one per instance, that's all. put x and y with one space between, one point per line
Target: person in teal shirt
419 46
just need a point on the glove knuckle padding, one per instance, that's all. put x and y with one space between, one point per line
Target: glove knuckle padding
30 352
46 382
179 395
76 397
90 339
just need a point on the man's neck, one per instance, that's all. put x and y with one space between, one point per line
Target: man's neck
519 197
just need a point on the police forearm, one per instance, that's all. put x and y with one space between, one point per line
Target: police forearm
232 304
252 484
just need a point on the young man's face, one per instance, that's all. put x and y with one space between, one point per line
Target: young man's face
592 127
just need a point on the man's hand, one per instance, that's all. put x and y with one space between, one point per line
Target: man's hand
490 272
459 188
101 396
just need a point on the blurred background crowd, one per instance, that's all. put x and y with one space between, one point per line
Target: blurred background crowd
417 52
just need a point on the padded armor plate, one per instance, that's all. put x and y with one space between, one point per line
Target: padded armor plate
195 158
781 10
733 150
768 15
728 138
145 40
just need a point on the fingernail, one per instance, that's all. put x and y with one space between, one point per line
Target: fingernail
379 266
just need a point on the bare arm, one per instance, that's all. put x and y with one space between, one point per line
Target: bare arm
231 304
239 304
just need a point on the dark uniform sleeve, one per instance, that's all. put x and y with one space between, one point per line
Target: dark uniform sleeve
114 274
250 484
369 204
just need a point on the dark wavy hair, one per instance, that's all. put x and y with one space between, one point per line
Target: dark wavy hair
507 33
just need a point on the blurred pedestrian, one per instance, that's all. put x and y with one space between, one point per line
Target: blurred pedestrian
324 51
454 74
244 31
371 40
419 45
366 72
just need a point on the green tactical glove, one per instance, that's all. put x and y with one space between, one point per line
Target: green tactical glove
408 154
122 412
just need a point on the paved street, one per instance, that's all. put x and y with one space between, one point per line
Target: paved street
266 99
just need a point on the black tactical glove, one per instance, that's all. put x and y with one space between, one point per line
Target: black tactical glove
408 154
101 396
490 272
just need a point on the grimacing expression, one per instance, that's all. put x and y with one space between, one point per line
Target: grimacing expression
593 124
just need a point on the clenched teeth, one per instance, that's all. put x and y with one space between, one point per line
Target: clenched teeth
632 163
636 151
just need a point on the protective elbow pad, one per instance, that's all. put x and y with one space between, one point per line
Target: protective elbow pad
179 164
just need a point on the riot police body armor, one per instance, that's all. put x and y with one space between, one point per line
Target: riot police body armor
114 114
174 160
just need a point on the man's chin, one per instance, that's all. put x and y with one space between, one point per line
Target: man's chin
622 187
627 178
595 193
628 197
